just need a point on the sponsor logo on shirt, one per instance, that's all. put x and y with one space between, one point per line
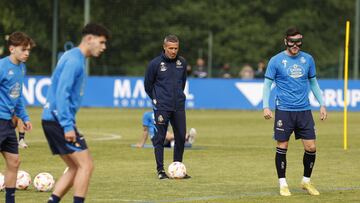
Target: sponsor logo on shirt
295 71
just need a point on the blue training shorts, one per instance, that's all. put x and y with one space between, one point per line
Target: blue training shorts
54 134
299 122
8 140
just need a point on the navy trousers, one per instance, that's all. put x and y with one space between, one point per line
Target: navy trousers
177 120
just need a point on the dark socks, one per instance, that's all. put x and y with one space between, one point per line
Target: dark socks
280 162
21 136
308 161
54 199
79 199
10 195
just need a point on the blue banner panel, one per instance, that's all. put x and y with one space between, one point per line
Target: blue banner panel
129 92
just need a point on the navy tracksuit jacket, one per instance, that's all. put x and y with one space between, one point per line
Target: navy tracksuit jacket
164 83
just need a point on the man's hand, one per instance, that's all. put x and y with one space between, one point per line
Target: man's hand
70 136
267 113
323 113
27 126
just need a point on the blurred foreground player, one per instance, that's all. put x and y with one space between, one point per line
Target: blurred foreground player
58 119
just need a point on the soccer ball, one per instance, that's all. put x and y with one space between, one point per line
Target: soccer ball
23 180
177 170
2 182
44 182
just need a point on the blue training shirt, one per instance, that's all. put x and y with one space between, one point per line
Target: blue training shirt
291 75
148 121
65 93
11 83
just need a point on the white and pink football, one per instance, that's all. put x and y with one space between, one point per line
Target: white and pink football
23 180
44 182
177 170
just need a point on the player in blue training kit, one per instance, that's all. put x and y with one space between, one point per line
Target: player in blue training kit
164 83
148 122
12 72
62 103
294 74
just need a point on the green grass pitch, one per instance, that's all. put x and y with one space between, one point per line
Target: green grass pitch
233 161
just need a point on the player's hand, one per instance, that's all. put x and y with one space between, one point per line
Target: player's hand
267 113
70 136
323 113
14 121
139 145
27 126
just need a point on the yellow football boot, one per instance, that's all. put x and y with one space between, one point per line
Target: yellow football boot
284 191
309 188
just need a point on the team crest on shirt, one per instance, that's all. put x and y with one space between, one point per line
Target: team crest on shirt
284 62
279 123
302 60
179 64
15 91
163 66
295 71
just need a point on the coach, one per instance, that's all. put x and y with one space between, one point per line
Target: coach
165 80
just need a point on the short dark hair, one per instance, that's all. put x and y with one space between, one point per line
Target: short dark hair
95 29
20 39
292 31
171 38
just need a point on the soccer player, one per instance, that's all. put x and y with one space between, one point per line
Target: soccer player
12 71
164 83
149 130
58 118
294 73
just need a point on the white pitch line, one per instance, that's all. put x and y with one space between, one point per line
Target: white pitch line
216 197
110 136
263 147
100 136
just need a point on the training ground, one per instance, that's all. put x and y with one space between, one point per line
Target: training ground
232 160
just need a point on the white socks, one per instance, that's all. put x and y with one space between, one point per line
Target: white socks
282 182
305 179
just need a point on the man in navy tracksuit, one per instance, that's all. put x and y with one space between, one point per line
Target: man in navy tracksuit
165 80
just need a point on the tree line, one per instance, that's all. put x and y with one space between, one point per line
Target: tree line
243 31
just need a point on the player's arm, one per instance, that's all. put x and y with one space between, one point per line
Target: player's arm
63 94
143 138
314 85
149 79
266 98
20 111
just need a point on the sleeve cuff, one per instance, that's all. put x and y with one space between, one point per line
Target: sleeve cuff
68 129
25 119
